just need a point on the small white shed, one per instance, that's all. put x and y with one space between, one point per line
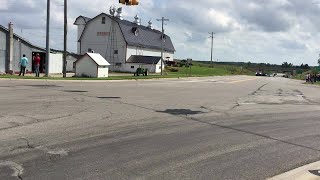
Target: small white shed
92 65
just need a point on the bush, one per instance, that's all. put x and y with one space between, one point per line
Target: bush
232 69
172 69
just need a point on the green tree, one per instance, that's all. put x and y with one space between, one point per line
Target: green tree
285 65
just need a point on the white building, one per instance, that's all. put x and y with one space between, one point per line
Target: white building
12 47
92 65
117 40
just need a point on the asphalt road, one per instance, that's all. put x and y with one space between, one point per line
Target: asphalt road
201 128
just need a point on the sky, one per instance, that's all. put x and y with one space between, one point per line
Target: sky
262 31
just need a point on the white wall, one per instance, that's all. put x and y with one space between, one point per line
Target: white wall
3 51
18 52
70 61
103 71
80 22
133 50
56 63
101 44
87 67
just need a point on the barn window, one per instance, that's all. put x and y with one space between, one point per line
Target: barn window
103 21
132 67
115 52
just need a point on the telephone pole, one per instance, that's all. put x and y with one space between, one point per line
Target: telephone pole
48 39
65 39
162 42
212 37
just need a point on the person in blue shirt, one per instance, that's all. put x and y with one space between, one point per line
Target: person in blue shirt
23 64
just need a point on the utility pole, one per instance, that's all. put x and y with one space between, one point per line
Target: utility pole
48 39
212 37
162 43
65 39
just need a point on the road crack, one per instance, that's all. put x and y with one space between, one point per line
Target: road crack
18 169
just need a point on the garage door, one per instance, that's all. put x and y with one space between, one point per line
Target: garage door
2 60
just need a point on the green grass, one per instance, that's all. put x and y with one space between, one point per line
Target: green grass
197 70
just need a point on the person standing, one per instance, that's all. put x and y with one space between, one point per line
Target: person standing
23 64
36 61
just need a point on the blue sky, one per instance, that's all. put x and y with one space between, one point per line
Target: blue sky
270 31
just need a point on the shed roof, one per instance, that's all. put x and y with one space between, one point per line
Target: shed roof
97 58
145 37
144 59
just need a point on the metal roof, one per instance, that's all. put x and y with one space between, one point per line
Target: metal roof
86 19
97 58
144 59
4 29
145 37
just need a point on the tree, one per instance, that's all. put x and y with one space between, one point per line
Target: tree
285 65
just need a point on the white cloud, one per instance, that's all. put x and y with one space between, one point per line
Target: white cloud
4 4
249 30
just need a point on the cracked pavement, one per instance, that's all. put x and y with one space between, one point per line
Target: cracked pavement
233 127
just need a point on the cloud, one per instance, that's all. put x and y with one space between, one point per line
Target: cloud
4 4
255 30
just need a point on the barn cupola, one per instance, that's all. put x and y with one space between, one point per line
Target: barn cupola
119 13
150 24
136 20
112 10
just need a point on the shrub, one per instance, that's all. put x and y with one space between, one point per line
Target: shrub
172 69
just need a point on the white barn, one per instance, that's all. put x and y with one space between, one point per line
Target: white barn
118 40
92 65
